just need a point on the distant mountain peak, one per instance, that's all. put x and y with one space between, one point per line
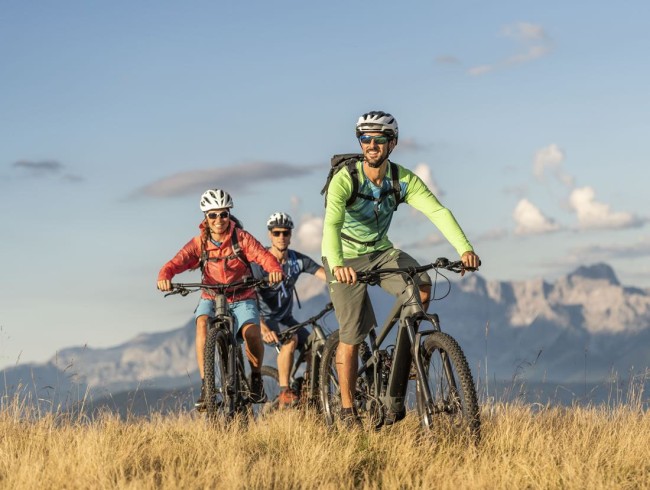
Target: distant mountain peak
596 271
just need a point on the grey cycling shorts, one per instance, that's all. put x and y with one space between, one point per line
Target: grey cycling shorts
352 305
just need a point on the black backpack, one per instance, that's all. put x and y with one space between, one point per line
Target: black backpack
237 252
350 160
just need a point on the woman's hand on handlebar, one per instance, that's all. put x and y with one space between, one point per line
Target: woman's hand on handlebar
346 275
470 261
165 285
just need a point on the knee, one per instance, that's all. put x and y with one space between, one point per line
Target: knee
293 342
252 333
425 293
202 326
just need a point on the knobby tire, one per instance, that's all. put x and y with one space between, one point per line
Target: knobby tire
455 404
215 372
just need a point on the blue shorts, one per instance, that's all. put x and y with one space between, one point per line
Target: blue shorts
244 312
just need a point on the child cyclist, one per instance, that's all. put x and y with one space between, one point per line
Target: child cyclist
223 252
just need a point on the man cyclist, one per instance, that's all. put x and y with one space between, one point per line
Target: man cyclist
355 239
223 252
276 302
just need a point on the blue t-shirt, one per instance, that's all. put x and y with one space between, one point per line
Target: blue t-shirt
276 302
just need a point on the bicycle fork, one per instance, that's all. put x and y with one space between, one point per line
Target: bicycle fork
423 385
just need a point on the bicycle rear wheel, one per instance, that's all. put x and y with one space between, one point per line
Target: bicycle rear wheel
454 404
330 390
215 372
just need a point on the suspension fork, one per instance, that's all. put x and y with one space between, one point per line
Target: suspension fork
421 378
435 321
232 358
315 351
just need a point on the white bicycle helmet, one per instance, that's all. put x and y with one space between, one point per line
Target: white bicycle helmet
280 220
378 121
215 199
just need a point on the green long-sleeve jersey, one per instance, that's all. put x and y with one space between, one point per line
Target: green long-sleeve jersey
368 221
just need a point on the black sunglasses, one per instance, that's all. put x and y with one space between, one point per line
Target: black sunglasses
283 233
222 215
366 139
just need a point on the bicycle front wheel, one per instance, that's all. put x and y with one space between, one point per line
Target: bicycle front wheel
454 404
215 372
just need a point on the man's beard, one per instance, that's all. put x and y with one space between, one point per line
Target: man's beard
378 162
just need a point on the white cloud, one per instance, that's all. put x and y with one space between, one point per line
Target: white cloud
423 171
480 70
532 53
533 44
530 220
594 214
551 158
308 235
524 31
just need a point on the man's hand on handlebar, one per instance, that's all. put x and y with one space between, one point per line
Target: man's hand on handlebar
470 261
268 335
346 275
275 277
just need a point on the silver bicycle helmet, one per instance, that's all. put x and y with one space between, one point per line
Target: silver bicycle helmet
378 121
215 199
279 220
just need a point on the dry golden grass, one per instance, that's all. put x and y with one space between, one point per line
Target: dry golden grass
522 447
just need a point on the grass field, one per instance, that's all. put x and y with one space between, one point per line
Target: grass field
523 446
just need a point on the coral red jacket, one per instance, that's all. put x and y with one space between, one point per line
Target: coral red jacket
222 271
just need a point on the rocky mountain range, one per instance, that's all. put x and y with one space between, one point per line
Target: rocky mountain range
583 327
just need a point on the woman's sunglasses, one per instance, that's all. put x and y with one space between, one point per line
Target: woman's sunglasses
222 215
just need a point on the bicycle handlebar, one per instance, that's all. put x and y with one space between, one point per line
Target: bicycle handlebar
372 277
284 335
189 287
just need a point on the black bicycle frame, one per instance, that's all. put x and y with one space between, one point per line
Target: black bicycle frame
406 349
318 341
223 319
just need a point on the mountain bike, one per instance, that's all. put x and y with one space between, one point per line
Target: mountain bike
445 391
307 384
228 389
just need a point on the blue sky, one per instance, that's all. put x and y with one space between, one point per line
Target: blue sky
528 119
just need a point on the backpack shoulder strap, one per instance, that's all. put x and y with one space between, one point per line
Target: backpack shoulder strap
236 248
351 164
397 189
